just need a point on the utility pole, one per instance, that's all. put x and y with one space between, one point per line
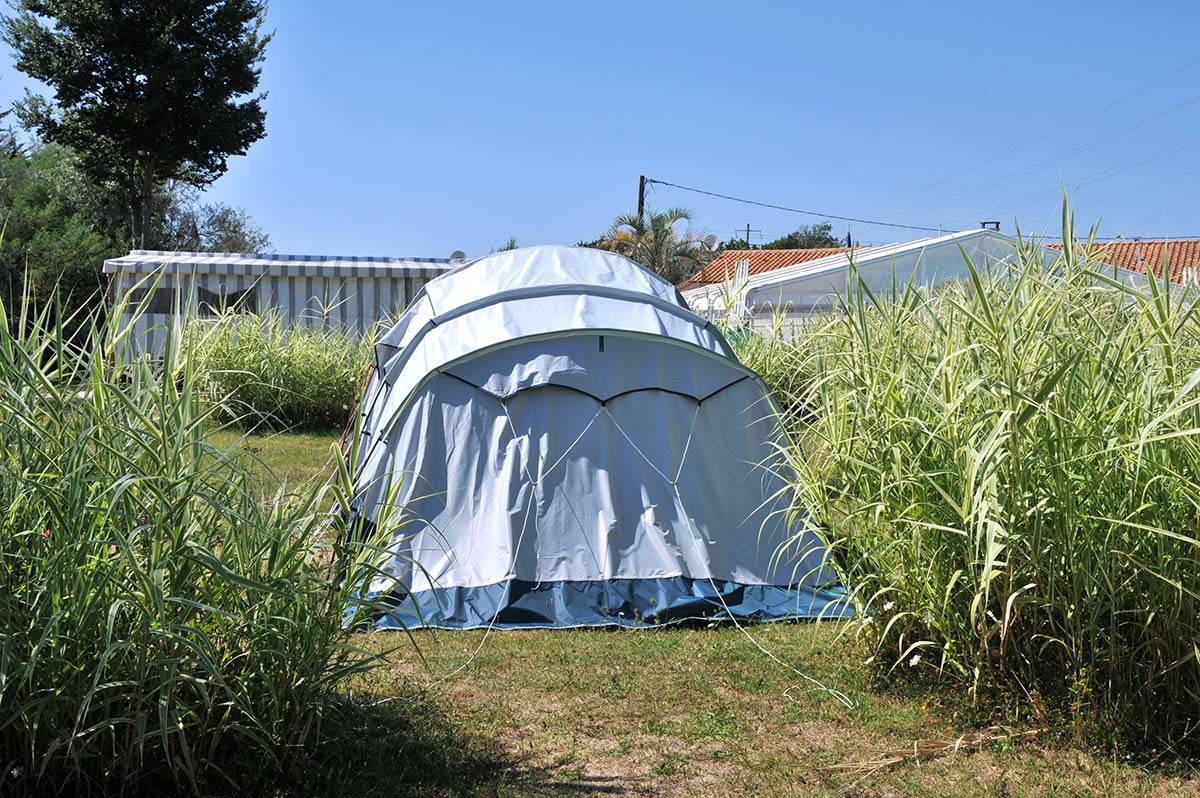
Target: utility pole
749 230
641 196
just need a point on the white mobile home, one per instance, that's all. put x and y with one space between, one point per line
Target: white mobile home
352 293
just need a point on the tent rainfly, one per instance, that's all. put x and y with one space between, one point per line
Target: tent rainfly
550 438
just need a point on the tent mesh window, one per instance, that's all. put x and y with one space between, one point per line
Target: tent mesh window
214 303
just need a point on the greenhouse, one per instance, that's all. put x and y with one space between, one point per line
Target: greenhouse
792 294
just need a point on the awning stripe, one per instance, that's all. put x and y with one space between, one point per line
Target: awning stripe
147 262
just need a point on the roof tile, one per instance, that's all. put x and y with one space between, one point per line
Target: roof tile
1182 256
761 260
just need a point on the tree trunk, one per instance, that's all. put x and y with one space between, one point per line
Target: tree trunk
141 206
135 223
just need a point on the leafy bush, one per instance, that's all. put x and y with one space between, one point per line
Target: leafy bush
1010 472
259 370
162 628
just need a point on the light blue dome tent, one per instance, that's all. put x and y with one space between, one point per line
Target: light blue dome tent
556 440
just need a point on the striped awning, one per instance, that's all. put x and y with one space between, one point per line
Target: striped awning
141 261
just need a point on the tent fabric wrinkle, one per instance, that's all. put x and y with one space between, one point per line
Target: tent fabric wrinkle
553 439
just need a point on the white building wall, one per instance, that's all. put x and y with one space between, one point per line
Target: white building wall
355 295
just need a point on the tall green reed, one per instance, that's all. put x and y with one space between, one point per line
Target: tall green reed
1009 471
263 371
162 627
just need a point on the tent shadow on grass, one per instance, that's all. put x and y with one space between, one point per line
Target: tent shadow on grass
411 747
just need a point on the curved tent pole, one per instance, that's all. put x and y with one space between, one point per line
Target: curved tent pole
540 292
379 435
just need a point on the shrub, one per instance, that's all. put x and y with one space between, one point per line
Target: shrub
162 628
1011 469
259 370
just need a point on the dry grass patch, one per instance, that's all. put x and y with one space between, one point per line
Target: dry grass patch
671 711
700 712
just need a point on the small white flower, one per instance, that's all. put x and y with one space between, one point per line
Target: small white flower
916 658
927 617
888 607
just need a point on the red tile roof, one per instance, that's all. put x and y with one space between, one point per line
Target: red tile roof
761 260
1142 256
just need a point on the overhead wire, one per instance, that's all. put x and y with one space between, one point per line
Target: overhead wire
1036 139
1017 175
761 238
1003 179
774 206
1150 185
694 538
1143 239
1105 174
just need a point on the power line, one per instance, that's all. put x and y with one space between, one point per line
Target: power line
1042 137
793 210
1149 185
1101 176
872 243
765 237
1144 188
1017 175
1127 239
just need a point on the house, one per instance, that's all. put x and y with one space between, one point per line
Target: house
353 293
714 291
794 285
1182 257
724 265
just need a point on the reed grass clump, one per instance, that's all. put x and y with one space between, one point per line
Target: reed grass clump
163 628
1009 472
782 359
263 372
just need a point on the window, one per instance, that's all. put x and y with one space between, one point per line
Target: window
154 300
213 303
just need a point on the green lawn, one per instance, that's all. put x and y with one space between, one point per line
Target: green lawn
689 711
284 459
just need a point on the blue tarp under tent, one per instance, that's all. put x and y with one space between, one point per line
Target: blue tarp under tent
551 438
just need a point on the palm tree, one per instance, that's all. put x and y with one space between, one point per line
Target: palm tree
653 241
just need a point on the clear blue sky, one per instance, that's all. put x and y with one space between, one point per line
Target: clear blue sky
418 128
